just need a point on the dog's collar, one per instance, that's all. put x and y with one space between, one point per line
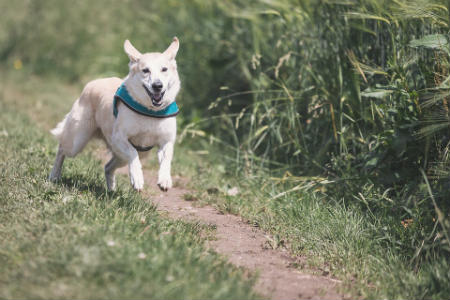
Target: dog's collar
123 95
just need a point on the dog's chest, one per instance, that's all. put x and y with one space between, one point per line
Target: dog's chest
153 131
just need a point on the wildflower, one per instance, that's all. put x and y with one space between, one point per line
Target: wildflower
233 191
18 64
407 222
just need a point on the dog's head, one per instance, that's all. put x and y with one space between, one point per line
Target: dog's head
153 79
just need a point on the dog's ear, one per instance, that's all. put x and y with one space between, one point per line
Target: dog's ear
132 52
171 52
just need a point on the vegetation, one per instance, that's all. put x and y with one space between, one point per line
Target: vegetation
75 240
332 117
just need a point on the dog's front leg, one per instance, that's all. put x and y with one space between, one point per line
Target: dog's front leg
125 151
165 155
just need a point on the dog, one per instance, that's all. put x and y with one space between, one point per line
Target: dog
131 115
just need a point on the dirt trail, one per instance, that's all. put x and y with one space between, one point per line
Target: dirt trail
245 246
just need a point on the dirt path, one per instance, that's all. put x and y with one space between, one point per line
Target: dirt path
245 246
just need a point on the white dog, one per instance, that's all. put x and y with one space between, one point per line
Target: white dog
130 115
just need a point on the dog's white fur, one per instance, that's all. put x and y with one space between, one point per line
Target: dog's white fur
92 116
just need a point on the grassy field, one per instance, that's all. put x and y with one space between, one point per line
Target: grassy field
373 254
330 117
74 240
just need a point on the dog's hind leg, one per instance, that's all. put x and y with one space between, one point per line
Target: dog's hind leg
73 133
77 128
55 175
110 168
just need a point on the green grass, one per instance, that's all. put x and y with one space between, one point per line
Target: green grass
75 241
374 255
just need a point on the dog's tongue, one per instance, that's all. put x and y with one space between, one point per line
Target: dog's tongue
157 97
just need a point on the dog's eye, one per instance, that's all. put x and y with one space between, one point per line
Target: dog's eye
164 69
146 70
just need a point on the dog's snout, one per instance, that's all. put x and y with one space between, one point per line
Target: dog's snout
157 85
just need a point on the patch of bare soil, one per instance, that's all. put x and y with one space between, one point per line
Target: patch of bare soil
245 246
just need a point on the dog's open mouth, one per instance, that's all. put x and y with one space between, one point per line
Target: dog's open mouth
155 96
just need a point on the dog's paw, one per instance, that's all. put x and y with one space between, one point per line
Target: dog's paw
137 179
52 178
110 181
165 183
137 182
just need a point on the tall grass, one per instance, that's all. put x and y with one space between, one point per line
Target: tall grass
353 92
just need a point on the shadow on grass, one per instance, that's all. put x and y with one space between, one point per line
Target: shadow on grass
84 183
87 184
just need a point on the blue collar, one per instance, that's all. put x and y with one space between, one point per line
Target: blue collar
123 95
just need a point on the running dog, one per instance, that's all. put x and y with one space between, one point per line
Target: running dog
131 115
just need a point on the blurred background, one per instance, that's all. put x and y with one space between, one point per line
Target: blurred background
346 98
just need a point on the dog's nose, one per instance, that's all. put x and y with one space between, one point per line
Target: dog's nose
157 85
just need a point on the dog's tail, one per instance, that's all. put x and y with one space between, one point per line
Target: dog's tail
59 129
